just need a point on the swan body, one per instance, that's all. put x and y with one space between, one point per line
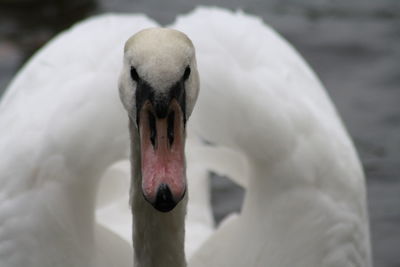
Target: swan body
64 170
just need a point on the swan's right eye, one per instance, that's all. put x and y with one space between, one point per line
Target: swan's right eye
186 74
134 74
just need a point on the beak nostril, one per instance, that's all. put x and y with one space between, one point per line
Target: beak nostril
153 130
170 127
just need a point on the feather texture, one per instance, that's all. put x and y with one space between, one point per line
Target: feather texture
273 128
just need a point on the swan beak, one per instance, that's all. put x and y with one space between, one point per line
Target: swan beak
162 142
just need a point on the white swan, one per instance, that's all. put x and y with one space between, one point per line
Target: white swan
275 131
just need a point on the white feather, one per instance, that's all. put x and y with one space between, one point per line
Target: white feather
269 118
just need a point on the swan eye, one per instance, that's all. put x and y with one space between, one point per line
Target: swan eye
186 74
134 74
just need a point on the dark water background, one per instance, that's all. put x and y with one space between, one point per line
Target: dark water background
352 45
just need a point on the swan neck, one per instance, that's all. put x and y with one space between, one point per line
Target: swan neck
158 237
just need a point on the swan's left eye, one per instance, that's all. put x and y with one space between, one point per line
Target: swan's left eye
134 74
186 74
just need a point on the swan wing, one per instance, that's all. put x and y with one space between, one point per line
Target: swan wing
64 126
305 201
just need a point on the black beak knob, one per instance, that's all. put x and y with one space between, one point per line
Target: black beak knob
164 200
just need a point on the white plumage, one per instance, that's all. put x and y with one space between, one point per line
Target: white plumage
274 128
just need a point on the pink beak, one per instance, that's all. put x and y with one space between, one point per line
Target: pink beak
162 143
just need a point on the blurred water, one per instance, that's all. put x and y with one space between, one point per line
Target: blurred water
352 45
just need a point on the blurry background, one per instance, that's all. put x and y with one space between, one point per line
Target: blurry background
353 46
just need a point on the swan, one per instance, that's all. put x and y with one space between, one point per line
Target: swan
272 127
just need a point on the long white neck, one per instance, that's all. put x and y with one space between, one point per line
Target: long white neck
158 237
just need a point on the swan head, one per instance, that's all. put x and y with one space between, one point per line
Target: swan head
158 87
